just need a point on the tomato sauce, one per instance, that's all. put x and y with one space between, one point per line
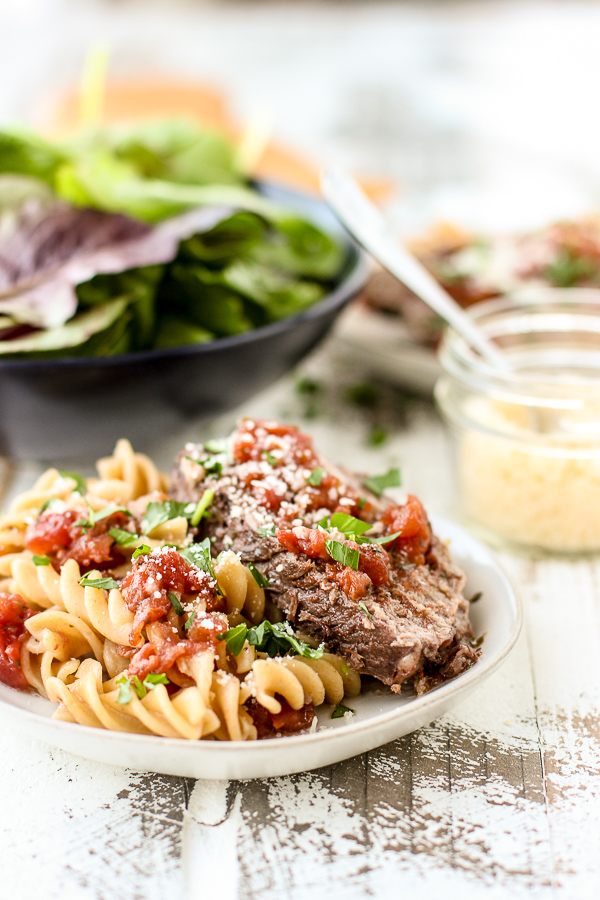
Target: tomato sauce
153 576
57 536
13 615
288 721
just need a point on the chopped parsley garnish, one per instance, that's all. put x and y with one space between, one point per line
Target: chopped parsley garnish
98 516
363 394
141 688
203 504
106 584
259 578
199 555
176 604
42 560
341 711
476 597
272 460
212 466
150 681
142 550
44 506
236 638
386 538
276 639
124 538
266 531
348 525
189 621
362 502
316 477
162 511
216 446
378 483
567 269
343 554
344 668
365 610
80 484
378 436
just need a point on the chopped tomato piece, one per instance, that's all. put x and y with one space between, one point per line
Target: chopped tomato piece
310 541
288 721
153 576
52 532
412 523
254 439
13 614
354 584
56 535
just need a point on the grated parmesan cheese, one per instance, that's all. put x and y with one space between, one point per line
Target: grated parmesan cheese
536 488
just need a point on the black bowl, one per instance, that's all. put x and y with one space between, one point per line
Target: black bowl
78 407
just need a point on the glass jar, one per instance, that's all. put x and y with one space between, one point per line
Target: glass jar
526 441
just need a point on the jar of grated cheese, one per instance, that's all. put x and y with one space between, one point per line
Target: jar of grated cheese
526 442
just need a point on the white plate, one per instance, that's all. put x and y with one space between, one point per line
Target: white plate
380 716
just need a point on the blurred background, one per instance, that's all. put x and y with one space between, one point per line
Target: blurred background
483 112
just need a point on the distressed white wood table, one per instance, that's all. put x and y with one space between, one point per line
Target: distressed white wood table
499 799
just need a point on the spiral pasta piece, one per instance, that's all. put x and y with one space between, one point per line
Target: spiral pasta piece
243 594
134 470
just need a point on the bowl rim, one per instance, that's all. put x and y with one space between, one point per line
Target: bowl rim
354 274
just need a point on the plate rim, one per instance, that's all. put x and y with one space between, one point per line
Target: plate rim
455 687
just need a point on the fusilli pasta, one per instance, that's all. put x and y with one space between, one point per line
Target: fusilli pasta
126 632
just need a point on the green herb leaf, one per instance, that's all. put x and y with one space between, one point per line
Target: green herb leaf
259 578
344 668
386 538
176 604
472 599
199 555
340 711
362 502
212 465
203 504
190 621
345 523
272 460
235 638
276 639
378 436
106 584
151 681
316 477
138 687
218 445
378 483
124 690
365 610
343 554
80 484
42 560
142 550
266 531
44 506
124 538
110 511
162 511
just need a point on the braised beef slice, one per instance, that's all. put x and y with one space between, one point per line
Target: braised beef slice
419 620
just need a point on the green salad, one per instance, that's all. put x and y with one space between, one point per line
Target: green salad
132 238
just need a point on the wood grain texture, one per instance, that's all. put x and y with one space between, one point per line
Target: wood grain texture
501 798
